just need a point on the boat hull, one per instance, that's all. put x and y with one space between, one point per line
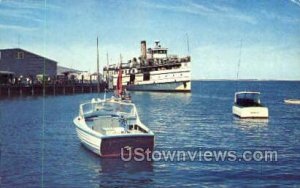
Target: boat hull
292 101
125 145
182 86
91 142
257 112
111 146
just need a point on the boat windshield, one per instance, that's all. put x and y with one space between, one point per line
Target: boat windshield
107 109
247 99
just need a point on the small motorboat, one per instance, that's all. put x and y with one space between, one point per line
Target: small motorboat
292 101
247 105
109 127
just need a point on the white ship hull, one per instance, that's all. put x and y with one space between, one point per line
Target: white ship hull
175 80
184 86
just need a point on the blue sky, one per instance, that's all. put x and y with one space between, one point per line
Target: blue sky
66 31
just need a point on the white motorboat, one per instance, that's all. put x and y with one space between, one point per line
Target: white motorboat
107 126
247 105
292 101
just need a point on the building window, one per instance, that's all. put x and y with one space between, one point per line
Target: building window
20 55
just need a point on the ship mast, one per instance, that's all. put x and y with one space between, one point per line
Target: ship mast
187 43
120 59
238 65
98 76
107 65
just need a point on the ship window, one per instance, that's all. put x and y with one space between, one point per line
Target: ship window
146 76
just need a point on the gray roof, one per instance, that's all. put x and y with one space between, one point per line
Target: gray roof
62 70
6 72
14 49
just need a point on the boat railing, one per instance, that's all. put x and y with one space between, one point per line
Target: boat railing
101 107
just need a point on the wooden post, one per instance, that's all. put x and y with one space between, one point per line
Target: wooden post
82 84
54 89
20 89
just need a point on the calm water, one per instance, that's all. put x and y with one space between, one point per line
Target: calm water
201 119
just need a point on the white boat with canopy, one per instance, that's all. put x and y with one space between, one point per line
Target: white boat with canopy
107 126
247 104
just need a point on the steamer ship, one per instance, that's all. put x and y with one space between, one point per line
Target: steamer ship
153 70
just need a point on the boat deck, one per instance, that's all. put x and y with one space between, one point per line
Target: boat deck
114 125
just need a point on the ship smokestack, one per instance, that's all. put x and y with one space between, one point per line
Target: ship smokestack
143 49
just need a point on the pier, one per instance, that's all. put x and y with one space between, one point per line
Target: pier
49 89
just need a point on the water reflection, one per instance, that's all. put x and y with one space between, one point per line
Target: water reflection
249 124
153 96
113 172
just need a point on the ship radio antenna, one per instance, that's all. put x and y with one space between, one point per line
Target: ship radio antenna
187 43
239 63
107 66
107 60
98 76
120 59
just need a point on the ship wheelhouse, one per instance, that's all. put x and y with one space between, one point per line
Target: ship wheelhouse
157 52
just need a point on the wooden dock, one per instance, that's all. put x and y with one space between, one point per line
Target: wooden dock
38 90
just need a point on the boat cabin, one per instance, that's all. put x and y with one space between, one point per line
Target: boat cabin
157 52
247 99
